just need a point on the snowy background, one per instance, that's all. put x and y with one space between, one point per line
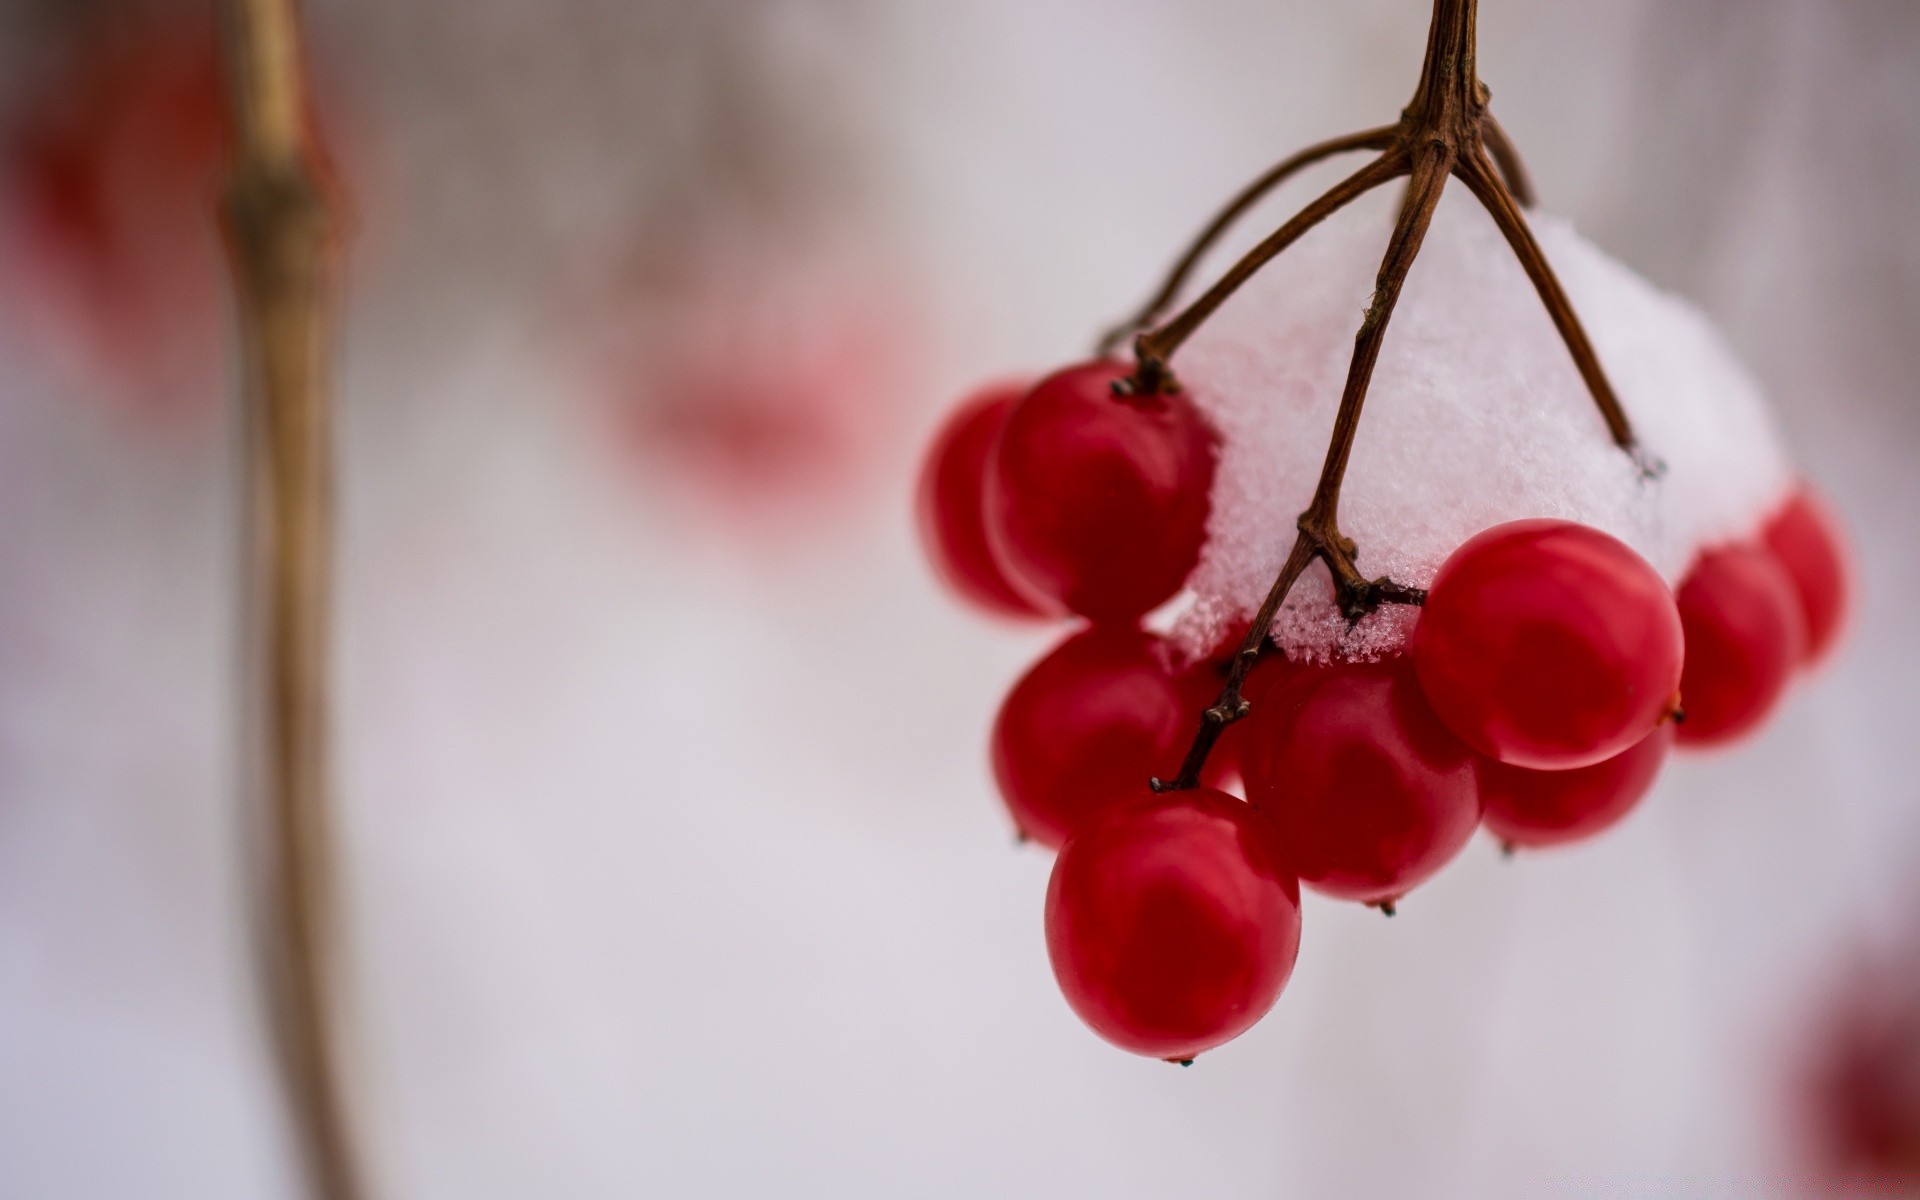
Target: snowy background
674 866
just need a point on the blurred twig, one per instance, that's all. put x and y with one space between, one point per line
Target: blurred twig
279 238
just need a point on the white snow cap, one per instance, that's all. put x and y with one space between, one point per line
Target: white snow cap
1476 416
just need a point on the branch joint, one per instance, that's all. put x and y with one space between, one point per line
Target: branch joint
1151 376
1354 594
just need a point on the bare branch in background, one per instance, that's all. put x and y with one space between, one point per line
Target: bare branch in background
280 240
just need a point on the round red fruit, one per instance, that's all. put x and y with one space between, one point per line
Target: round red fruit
1549 645
1171 926
1087 727
950 504
1096 501
1863 1091
1368 793
1745 635
1551 808
1805 537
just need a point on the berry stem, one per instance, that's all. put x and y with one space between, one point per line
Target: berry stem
1506 156
1252 194
279 241
1232 706
1320 535
1478 172
1445 131
1152 349
1449 107
1416 215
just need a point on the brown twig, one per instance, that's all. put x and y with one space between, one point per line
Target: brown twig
1445 131
1153 348
1507 157
1319 535
279 241
1481 178
1252 194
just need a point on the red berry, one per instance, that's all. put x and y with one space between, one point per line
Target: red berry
1091 723
1864 1086
1805 536
1551 808
760 406
952 519
1549 645
1171 926
1368 792
1745 634
1096 501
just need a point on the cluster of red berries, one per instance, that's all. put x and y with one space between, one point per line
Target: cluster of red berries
1548 675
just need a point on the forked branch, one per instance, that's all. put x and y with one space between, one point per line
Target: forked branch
1445 131
1319 532
279 240
1154 348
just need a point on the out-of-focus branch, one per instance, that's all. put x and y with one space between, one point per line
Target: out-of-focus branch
280 242
1506 156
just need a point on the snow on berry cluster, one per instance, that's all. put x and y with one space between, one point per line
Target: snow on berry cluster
1475 416
1582 615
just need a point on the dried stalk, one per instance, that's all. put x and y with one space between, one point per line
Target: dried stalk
1445 132
1507 157
279 241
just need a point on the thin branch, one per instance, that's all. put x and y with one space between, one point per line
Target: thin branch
1416 216
1232 706
1157 346
279 242
1478 173
1319 535
1506 156
1252 194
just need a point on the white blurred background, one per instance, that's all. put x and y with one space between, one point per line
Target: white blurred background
673 864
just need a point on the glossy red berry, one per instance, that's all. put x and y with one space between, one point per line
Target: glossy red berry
1549 645
1171 926
1090 724
1368 793
1099 502
1745 635
1551 808
1805 536
950 504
